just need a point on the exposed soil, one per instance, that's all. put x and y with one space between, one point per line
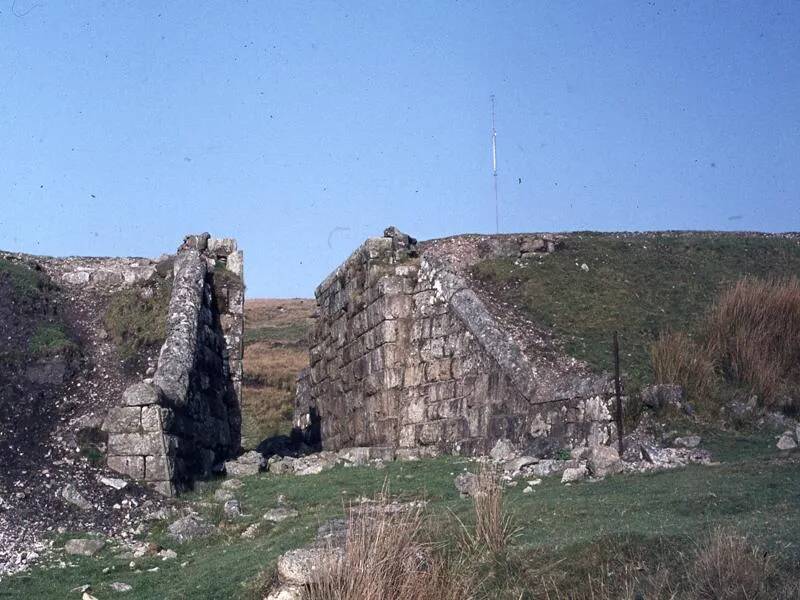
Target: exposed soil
52 404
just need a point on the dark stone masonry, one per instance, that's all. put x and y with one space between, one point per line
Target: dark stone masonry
185 421
405 355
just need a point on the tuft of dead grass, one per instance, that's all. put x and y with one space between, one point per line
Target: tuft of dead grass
728 567
754 331
387 556
678 359
494 528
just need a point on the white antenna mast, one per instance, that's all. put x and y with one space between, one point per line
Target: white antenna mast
494 172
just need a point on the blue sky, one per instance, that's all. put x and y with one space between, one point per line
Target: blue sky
303 128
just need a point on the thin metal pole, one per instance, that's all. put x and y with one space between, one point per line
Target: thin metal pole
618 394
494 172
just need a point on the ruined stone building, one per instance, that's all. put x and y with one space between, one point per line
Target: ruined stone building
183 421
408 354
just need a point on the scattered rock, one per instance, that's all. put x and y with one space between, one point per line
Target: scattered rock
232 509
74 497
603 461
787 441
84 546
466 484
231 484
223 495
527 490
189 527
87 596
547 467
515 465
276 515
574 474
690 441
167 554
503 451
249 463
298 567
118 586
117 484
251 531
286 593
663 395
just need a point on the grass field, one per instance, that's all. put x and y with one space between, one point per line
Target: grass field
638 285
274 353
567 534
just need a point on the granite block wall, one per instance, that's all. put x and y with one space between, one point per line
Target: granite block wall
185 421
404 354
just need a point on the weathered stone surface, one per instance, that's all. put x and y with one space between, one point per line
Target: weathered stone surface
662 395
119 586
690 441
71 494
123 419
84 546
232 509
132 466
300 567
276 515
503 450
603 461
787 441
188 528
406 355
466 484
186 421
573 474
249 463
141 394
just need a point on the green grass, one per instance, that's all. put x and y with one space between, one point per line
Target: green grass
638 285
28 283
135 321
50 338
657 513
290 333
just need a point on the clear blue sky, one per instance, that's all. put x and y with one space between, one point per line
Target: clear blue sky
303 128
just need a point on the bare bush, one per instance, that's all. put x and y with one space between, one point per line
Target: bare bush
754 329
678 359
386 557
728 567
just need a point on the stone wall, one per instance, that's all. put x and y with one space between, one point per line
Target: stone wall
404 354
186 420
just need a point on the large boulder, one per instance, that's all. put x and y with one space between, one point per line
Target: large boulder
84 547
787 441
466 484
190 527
573 474
503 451
71 494
301 567
662 395
603 460
249 463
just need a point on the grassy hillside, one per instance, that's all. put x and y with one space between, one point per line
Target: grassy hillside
624 526
639 285
274 353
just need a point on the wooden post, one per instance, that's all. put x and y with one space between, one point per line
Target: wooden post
618 393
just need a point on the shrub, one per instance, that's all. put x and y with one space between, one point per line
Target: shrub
386 557
754 332
678 359
727 567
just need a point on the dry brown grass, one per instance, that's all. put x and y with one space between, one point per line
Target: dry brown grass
388 556
754 331
728 567
272 363
494 528
677 358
